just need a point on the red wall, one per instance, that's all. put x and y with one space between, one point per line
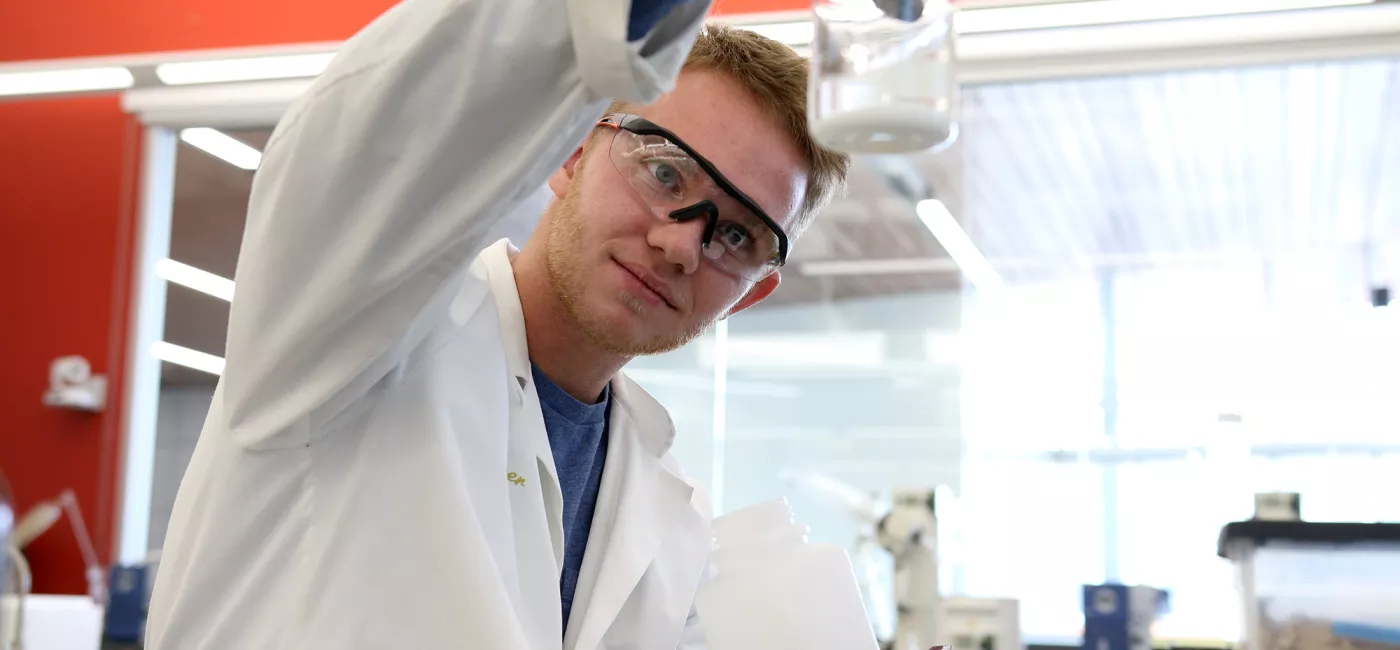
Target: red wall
30 29
67 197
65 218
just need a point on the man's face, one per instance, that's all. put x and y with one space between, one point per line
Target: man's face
638 284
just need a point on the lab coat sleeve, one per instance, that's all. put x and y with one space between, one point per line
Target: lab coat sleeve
381 183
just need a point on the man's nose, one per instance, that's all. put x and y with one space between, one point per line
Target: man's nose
679 241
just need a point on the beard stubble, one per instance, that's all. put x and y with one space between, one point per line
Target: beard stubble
567 281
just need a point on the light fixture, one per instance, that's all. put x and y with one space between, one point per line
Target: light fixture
64 81
793 33
1104 12
246 69
218 144
888 266
954 239
43 515
197 279
1047 15
183 356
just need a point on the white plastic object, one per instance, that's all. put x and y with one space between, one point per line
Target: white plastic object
53 622
769 588
883 76
73 386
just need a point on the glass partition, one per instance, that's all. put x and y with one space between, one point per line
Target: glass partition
1178 316
213 178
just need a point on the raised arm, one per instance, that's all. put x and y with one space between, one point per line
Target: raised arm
381 183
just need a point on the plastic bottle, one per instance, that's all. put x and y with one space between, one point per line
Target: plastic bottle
883 76
770 589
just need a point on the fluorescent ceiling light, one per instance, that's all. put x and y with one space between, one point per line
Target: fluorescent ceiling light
792 33
221 146
182 356
1071 13
249 69
954 239
64 81
892 266
1103 12
197 279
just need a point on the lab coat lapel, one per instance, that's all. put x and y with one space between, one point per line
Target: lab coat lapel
640 502
526 419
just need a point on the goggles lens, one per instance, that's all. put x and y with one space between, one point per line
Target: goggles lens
676 187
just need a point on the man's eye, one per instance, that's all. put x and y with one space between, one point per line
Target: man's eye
664 173
733 235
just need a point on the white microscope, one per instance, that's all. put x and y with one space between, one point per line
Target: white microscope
910 533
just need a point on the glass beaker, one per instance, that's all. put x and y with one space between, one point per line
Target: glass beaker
883 75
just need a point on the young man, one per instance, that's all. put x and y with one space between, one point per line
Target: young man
415 441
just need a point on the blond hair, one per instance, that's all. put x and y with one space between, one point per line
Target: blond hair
776 77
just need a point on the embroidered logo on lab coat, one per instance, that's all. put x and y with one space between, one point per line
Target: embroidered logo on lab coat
515 478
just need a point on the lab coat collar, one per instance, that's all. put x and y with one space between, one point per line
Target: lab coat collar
498 259
642 499
641 503
654 429
527 421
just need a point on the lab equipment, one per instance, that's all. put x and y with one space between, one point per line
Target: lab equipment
1278 506
1120 617
980 623
1316 586
64 619
883 77
771 589
44 515
128 599
910 533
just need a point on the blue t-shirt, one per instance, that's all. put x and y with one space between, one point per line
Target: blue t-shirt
578 432
578 437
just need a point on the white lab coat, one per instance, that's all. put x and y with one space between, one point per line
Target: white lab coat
374 471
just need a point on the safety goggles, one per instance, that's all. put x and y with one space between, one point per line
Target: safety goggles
678 184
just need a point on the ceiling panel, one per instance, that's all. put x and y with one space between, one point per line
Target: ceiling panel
1115 171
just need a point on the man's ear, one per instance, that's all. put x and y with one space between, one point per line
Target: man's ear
563 177
762 289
